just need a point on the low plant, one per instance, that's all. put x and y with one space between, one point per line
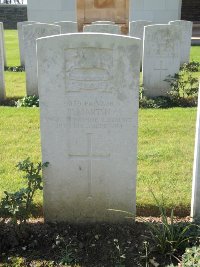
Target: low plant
184 84
15 68
28 101
191 257
18 205
168 236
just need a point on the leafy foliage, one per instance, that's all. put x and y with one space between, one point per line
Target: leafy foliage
184 84
191 257
168 236
18 205
28 101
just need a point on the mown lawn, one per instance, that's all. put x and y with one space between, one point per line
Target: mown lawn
165 152
165 149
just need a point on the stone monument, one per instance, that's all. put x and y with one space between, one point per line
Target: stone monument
89 95
186 35
161 58
67 26
21 39
3 43
195 205
2 84
31 33
102 28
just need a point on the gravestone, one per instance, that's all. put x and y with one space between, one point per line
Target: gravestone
161 58
67 26
136 29
31 33
186 35
195 205
103 22
89 119
102 28
2 84
21 39
3 43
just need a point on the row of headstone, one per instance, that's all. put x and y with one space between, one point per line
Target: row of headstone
161 49
89 94
165 49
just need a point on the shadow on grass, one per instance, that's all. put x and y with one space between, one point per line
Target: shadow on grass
10 101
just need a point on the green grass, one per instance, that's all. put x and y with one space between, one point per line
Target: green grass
165 156
12 48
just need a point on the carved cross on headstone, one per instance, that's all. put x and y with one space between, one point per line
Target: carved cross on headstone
89 156
162 70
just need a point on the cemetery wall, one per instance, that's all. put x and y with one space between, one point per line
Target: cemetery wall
50 11
191 10
157 11
11 14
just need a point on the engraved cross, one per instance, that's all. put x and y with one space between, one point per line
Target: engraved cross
161 69
89 156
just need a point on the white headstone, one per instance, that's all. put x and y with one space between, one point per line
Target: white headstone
21 39
89 121
103 22
136 29
195 205
102 28
3 42
161 58
67 26
186 35
2 84
31 33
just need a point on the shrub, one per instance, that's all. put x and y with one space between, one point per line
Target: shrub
18 205
28 101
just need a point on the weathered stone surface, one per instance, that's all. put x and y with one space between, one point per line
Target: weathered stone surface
136 29
3 42
2 84
158 11
67 26
103 22
102 28
31 33
186 35
161 58
89 94
195 205
21 39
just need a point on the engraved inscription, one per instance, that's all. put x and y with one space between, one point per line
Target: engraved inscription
89 69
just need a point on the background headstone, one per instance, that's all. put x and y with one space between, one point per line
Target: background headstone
67 26
3 43
161 58
2 84
31 33
21 39
89 94
195 205
102 28
103 22
136 29
186 35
